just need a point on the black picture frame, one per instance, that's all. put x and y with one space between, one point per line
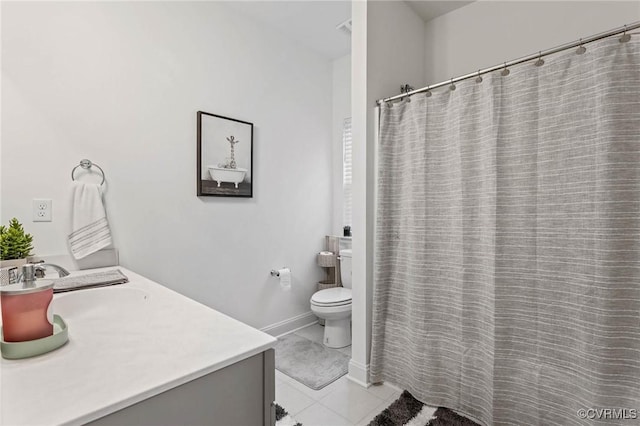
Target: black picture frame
225 156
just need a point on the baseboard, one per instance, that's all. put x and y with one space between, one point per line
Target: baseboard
359 373
290 325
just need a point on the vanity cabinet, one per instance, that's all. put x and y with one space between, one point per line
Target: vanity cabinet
140 354
241 394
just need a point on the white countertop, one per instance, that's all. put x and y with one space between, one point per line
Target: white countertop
153 340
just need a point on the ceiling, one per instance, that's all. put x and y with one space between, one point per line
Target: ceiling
427 9
313 23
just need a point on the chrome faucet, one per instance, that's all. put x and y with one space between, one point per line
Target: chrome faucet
31 271
40 269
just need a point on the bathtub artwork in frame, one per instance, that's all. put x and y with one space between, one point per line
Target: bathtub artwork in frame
225 156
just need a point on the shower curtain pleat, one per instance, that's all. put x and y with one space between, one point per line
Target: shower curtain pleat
507 281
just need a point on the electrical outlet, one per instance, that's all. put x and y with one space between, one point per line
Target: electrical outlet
42 210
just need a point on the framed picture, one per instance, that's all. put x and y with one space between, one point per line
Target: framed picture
225 156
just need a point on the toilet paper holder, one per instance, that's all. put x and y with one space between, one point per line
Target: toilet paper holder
275 273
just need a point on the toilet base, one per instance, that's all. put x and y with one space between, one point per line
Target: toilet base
337 333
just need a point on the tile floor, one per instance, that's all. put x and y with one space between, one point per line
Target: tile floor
342 403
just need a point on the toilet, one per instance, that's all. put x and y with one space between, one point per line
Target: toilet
333 305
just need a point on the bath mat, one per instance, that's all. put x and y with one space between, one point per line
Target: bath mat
283 418
311 363
408 411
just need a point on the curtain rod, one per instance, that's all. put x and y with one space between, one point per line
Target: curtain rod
622 30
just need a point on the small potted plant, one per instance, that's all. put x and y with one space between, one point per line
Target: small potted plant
15 244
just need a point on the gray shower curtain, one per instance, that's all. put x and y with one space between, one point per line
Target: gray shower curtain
507 281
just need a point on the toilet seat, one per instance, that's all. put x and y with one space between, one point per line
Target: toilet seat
332 305
337 296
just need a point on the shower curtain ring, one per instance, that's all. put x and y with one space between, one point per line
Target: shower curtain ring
505 72
540 61
452 86
428 93
479 78
625 37
581 49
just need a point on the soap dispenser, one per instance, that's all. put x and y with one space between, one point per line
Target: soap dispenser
25 305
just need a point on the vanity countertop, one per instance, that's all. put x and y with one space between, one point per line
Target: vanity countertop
124 347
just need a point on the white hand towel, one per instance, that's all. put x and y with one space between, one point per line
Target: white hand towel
89 226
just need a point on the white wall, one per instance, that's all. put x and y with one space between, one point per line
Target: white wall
389 38
341 110
120 83
486 33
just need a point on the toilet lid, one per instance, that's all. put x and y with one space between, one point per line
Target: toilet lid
332 296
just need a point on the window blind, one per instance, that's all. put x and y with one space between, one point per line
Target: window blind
347 162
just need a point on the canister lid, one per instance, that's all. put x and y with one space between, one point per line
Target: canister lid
28 284
25 288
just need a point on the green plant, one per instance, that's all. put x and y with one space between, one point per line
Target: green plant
14 243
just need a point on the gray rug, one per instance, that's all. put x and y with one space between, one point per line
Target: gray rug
310 363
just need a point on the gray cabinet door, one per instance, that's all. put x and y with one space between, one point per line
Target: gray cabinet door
241 394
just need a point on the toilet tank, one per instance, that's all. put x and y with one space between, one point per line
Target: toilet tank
345 267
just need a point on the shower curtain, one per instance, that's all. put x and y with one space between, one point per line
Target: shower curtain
507 278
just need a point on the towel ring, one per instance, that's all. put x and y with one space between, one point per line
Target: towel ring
87 164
